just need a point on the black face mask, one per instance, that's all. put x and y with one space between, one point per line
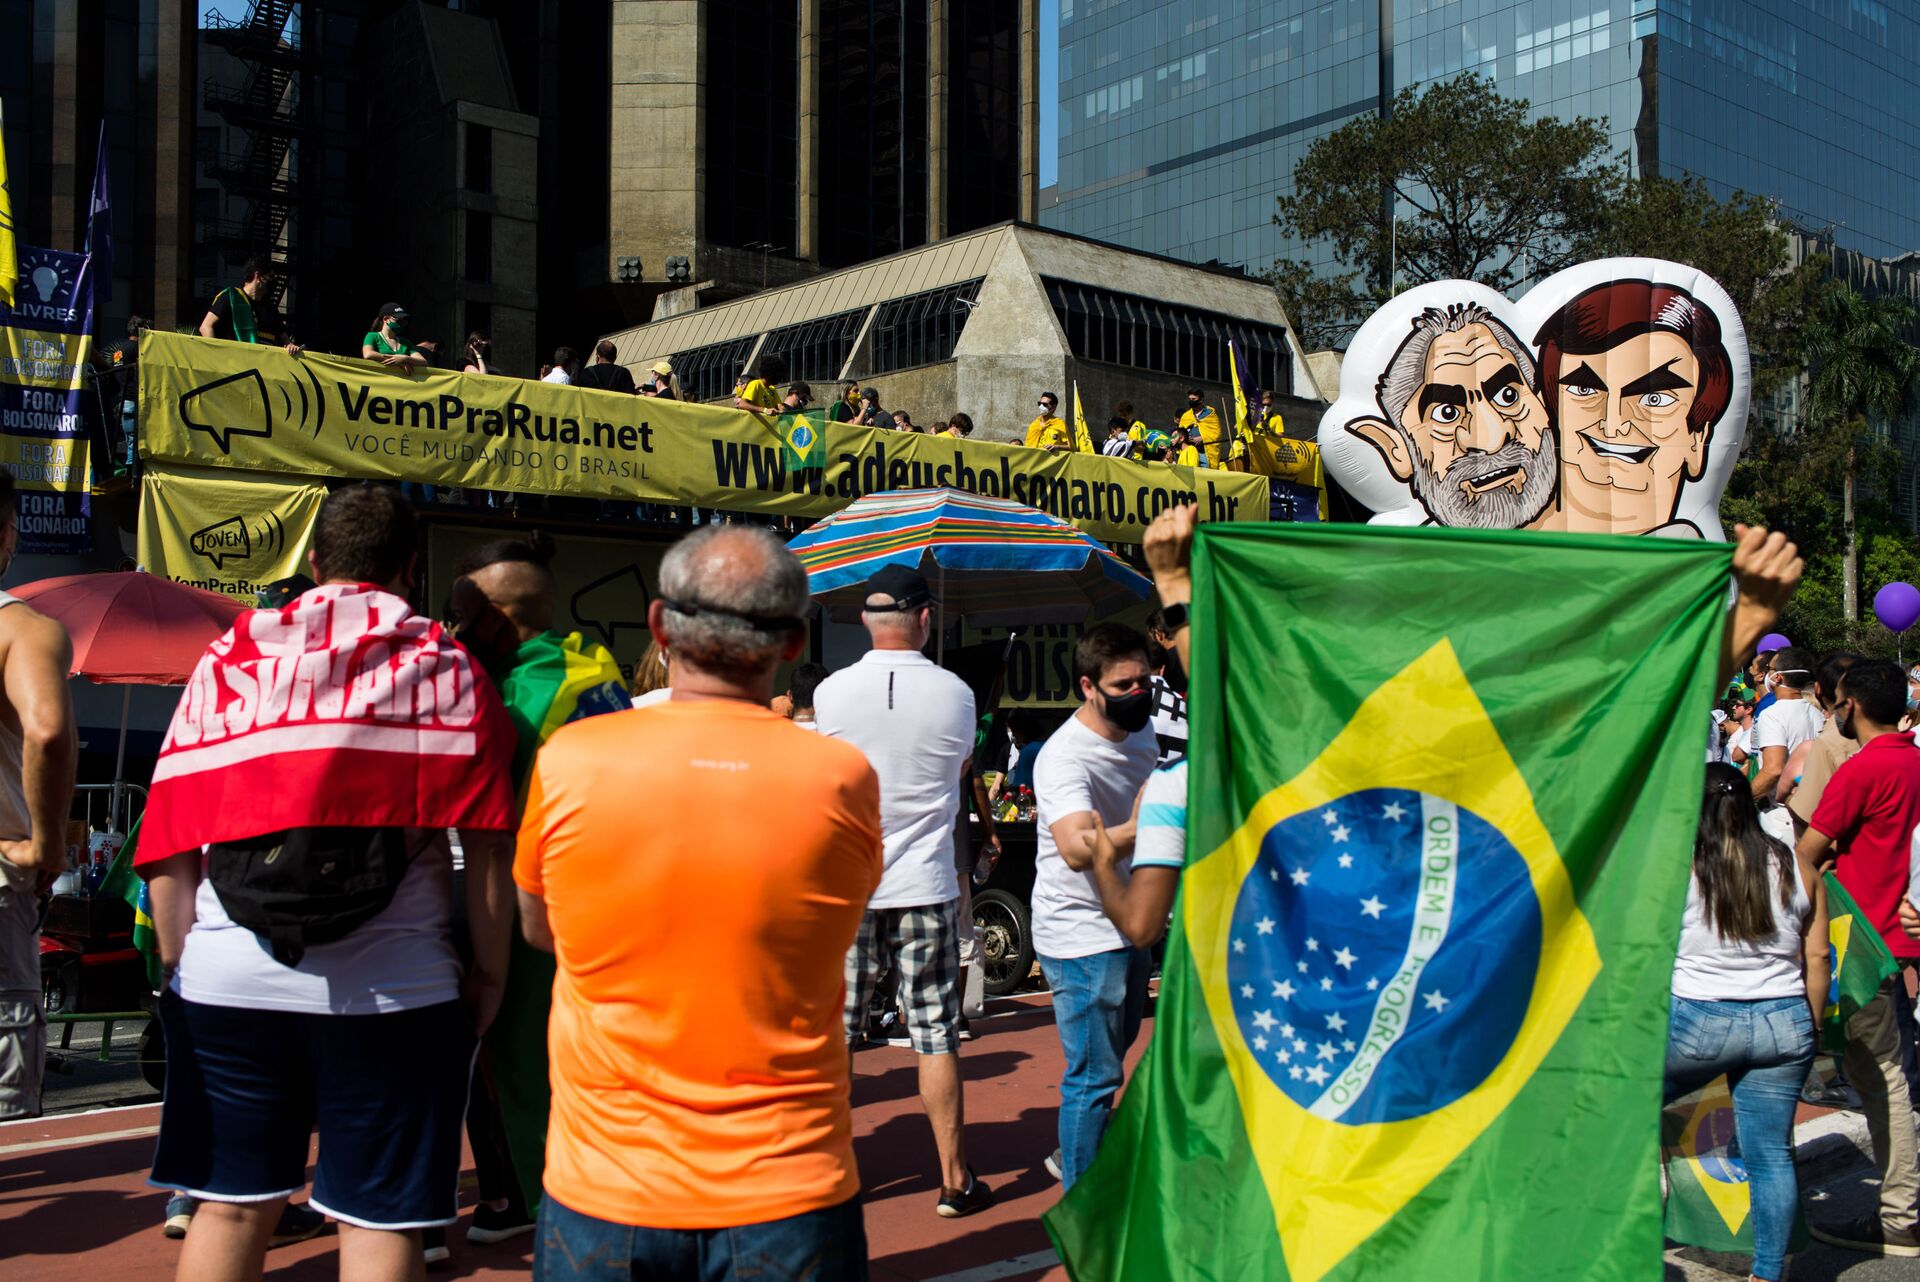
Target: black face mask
1130 712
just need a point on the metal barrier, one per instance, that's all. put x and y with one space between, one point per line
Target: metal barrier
120 804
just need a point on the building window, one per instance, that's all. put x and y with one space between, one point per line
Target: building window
479 158
983 113
479 321
479 266
709 373
922 329
753 129
873 128
1124 329
817 350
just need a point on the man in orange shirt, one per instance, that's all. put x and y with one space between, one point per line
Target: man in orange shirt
699 889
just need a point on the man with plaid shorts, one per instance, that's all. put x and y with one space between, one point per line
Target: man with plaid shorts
914 722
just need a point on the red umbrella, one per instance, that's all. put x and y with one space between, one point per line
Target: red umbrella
132 629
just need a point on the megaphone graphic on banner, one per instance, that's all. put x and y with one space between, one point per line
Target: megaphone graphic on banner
236 539
244 404
612 602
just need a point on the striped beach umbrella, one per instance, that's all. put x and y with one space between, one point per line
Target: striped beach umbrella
992 562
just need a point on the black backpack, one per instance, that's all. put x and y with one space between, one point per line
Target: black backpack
307 886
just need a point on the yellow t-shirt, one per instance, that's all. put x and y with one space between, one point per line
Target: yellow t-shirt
1046 433
758 392
1205 428
699 1061
1187 456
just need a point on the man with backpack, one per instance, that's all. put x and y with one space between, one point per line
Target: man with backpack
295 843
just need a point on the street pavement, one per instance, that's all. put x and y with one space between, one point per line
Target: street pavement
74 1205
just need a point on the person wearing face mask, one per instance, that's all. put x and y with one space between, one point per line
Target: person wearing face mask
1094 765
1202 422
1049 431
386 341
37 756
1778 731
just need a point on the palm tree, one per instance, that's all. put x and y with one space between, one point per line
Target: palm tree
1860 369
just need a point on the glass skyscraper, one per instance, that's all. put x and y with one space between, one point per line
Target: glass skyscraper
1171 125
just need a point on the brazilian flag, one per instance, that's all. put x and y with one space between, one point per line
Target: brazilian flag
803 439
1861 963
121 882
554 679
1709 1202
1413 1017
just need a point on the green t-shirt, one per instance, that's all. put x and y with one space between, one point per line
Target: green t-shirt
380 343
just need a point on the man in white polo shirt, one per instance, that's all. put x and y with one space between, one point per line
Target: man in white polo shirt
915 723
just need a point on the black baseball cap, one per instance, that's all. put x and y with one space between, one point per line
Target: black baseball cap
907 590
394 310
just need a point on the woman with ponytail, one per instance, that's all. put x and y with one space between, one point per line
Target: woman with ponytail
1751 971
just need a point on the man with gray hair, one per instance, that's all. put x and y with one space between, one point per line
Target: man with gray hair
701 1128
914 721
1465 427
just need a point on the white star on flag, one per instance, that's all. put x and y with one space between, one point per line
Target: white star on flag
1273 874
1371 906
1283 1055
1246 990
1264 925
1301 876
1435 1001
1336 1023
1300 1044
1325 1050
1372 985
1343 958
1239 945
1331 816
1394 811
1294 1072
1317 1075
1326 985
1347 1047
1313 945
1346 861
1286 1030
1303 968
1282 988
1263 1020
1259 1043
1340 833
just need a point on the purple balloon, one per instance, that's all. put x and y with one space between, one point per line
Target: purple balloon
1772 641
1897 606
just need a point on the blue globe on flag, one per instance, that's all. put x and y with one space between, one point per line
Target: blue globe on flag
1383 954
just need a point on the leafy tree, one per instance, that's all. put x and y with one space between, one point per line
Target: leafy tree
1860 368
1481 192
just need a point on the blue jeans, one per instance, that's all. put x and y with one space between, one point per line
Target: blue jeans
1765 1049
1098 1003
819 1246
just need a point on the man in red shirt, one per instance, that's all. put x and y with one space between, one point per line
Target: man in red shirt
1868 813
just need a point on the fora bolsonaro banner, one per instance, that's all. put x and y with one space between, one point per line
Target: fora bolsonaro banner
45 344
229 405
226 531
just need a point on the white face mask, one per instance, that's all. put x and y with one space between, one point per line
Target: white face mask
1045 408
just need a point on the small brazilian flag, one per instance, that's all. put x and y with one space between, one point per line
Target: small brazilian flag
1709 1202
1861 964
122 882
1413 1017
803 440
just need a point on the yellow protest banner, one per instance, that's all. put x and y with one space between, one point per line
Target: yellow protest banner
227 531
217 404
603 585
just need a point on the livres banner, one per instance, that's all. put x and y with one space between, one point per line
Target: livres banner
45 345
234 405
232 532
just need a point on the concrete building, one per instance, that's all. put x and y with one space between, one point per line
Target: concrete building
1171 125
984 322
68 65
